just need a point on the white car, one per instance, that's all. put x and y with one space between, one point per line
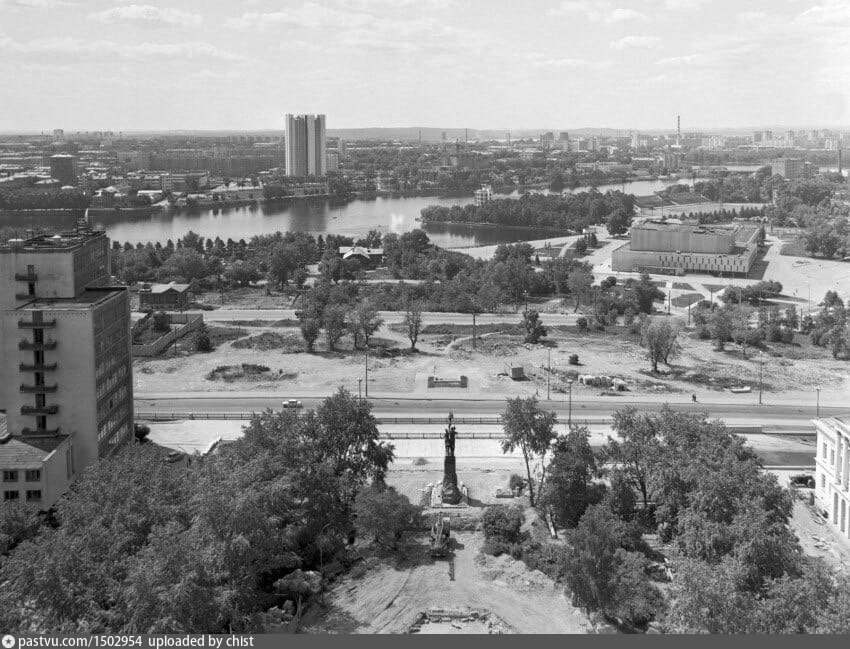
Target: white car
292 403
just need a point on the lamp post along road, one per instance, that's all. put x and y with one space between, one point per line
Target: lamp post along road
761 378
548 374
817 406
366 364
570 407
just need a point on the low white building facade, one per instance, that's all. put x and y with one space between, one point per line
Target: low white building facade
832 472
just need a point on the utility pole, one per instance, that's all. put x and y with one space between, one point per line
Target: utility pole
761 377
570 411
473 328
359 388
549 373
367 371
817 411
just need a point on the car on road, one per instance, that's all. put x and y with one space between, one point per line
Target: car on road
803 480
292 403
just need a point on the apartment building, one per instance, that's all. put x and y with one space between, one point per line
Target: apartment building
832 472
65 368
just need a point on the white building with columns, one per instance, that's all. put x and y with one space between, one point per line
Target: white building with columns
832 472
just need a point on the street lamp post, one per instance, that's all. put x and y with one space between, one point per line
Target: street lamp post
359 388
761 377
548 374
570 407
817 411
366 365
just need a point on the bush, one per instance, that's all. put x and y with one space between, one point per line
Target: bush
574 359
581 324
202 340
161 322
549 558
516 482
494 547
503 524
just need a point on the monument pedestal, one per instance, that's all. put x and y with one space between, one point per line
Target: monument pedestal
450 493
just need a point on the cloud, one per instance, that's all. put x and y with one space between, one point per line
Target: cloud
684 4
147 15
636 41
602 11
37 4
310 15
104 51
571 63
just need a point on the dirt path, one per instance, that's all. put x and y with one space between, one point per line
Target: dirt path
388 600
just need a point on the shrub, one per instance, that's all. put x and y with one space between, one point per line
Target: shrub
581 324
202 340
516 482
574 359
503 524
494 547
549 558
161 322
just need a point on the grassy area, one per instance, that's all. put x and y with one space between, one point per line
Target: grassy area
269 340
793 249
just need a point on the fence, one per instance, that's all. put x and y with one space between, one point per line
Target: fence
190 323
467 421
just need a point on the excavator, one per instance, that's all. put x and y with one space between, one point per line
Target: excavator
440 536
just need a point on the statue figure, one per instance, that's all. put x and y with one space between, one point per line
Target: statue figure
450 492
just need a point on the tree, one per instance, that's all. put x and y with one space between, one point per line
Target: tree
530 429
741 332
579 283
310 323
364 320
17 523
569 475
721 326
602 574
202 340
334 323
618 222
636 449
413 321
502 528
161 322
659 337
646 293
382 514
534 329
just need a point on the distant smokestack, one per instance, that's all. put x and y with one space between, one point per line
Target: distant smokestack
678 129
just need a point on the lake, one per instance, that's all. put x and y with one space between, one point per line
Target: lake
354 218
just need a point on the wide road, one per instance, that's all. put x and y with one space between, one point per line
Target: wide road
390 317
777 416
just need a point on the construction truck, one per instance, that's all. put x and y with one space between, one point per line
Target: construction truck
440 536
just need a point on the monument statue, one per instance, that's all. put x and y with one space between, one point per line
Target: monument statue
450 492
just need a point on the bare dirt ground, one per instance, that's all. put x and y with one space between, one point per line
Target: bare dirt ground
392 369
391 594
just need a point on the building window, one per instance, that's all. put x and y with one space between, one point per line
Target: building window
11 495
822 481
34 495
33 475
824 450
832 456
10 476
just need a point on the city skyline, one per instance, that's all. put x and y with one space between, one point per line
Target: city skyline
125 66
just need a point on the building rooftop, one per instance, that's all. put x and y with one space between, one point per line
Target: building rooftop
45 242
85 300
164 288
24 452
678 225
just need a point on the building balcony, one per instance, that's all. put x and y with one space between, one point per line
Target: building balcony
39 410
26 277
31 324
37 367
39 389
28 345
39 432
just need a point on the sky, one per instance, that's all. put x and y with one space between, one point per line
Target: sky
485 64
